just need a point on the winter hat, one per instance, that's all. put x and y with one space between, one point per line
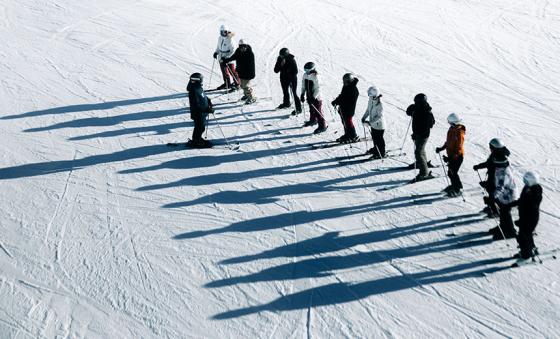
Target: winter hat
309 66
531 179
348 78
284 52
420 98
223 28
373 92
496 143
454 119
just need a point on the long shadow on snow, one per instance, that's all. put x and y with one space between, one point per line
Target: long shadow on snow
341 292
304 217
324 266
94 107
332 241
42 168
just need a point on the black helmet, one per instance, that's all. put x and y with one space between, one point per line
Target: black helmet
284 52
309 66
348 78
420 98
196 77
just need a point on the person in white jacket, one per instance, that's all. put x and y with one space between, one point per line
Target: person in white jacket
225 49
373 117
310 87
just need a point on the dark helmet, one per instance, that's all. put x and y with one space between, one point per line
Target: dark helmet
309 66
420 98
348 78
284 52
196 77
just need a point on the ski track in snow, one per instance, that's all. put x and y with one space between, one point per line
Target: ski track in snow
107 234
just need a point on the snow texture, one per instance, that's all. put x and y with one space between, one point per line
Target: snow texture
108 233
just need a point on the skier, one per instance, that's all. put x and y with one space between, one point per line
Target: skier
505 192
245 60
376 122
346 102
310 87
200 105
225 49
528 204
497 148
455 153
422 122
287 67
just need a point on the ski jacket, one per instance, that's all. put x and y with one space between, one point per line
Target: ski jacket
226 46
374 112
245 63
422 120
199 103
455 140
347 98
287 67
505 189
310 86
529 204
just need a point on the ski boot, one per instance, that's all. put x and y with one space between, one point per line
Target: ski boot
295 112
282 106
250 101
319 130
310 123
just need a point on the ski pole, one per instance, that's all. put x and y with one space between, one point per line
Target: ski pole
406 134
212 73
443 168
492 211
222 131
365 137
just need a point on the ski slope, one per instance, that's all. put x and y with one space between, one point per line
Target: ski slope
108 233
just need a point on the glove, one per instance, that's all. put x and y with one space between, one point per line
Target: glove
517 223
445 159
215 55
410 110
487 200
364 121
302 98
211 110
476 167
413 137
333 103
483 184
439 149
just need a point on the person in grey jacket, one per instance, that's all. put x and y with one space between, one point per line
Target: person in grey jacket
373 117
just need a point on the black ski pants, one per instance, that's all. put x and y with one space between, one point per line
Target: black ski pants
453 172
526 241
199 128
378 141
287 85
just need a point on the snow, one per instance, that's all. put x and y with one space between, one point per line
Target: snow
108 233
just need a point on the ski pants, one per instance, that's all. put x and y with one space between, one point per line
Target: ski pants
378 141
420 155
247 89
316 112
453 172
525 240
506 221
199 128
349 129
287 86
229 74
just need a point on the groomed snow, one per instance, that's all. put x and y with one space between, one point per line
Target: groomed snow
106 232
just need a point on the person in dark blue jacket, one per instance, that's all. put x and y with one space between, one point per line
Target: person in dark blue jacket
200 106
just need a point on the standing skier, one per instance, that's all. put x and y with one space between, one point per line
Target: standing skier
287 67
505 192
422 122
528 204
346 102
245 60
497 149
374 118
225 49
310 87
455 153
199 105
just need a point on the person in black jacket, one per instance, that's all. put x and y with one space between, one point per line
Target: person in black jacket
528 204
497 151
245 60
346 102
287 67
422 122
199 105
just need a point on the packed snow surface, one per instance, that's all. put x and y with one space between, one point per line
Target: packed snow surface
106 232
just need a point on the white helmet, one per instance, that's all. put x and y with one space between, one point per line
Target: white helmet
453 119
373 92
531 179
496 143
223 28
